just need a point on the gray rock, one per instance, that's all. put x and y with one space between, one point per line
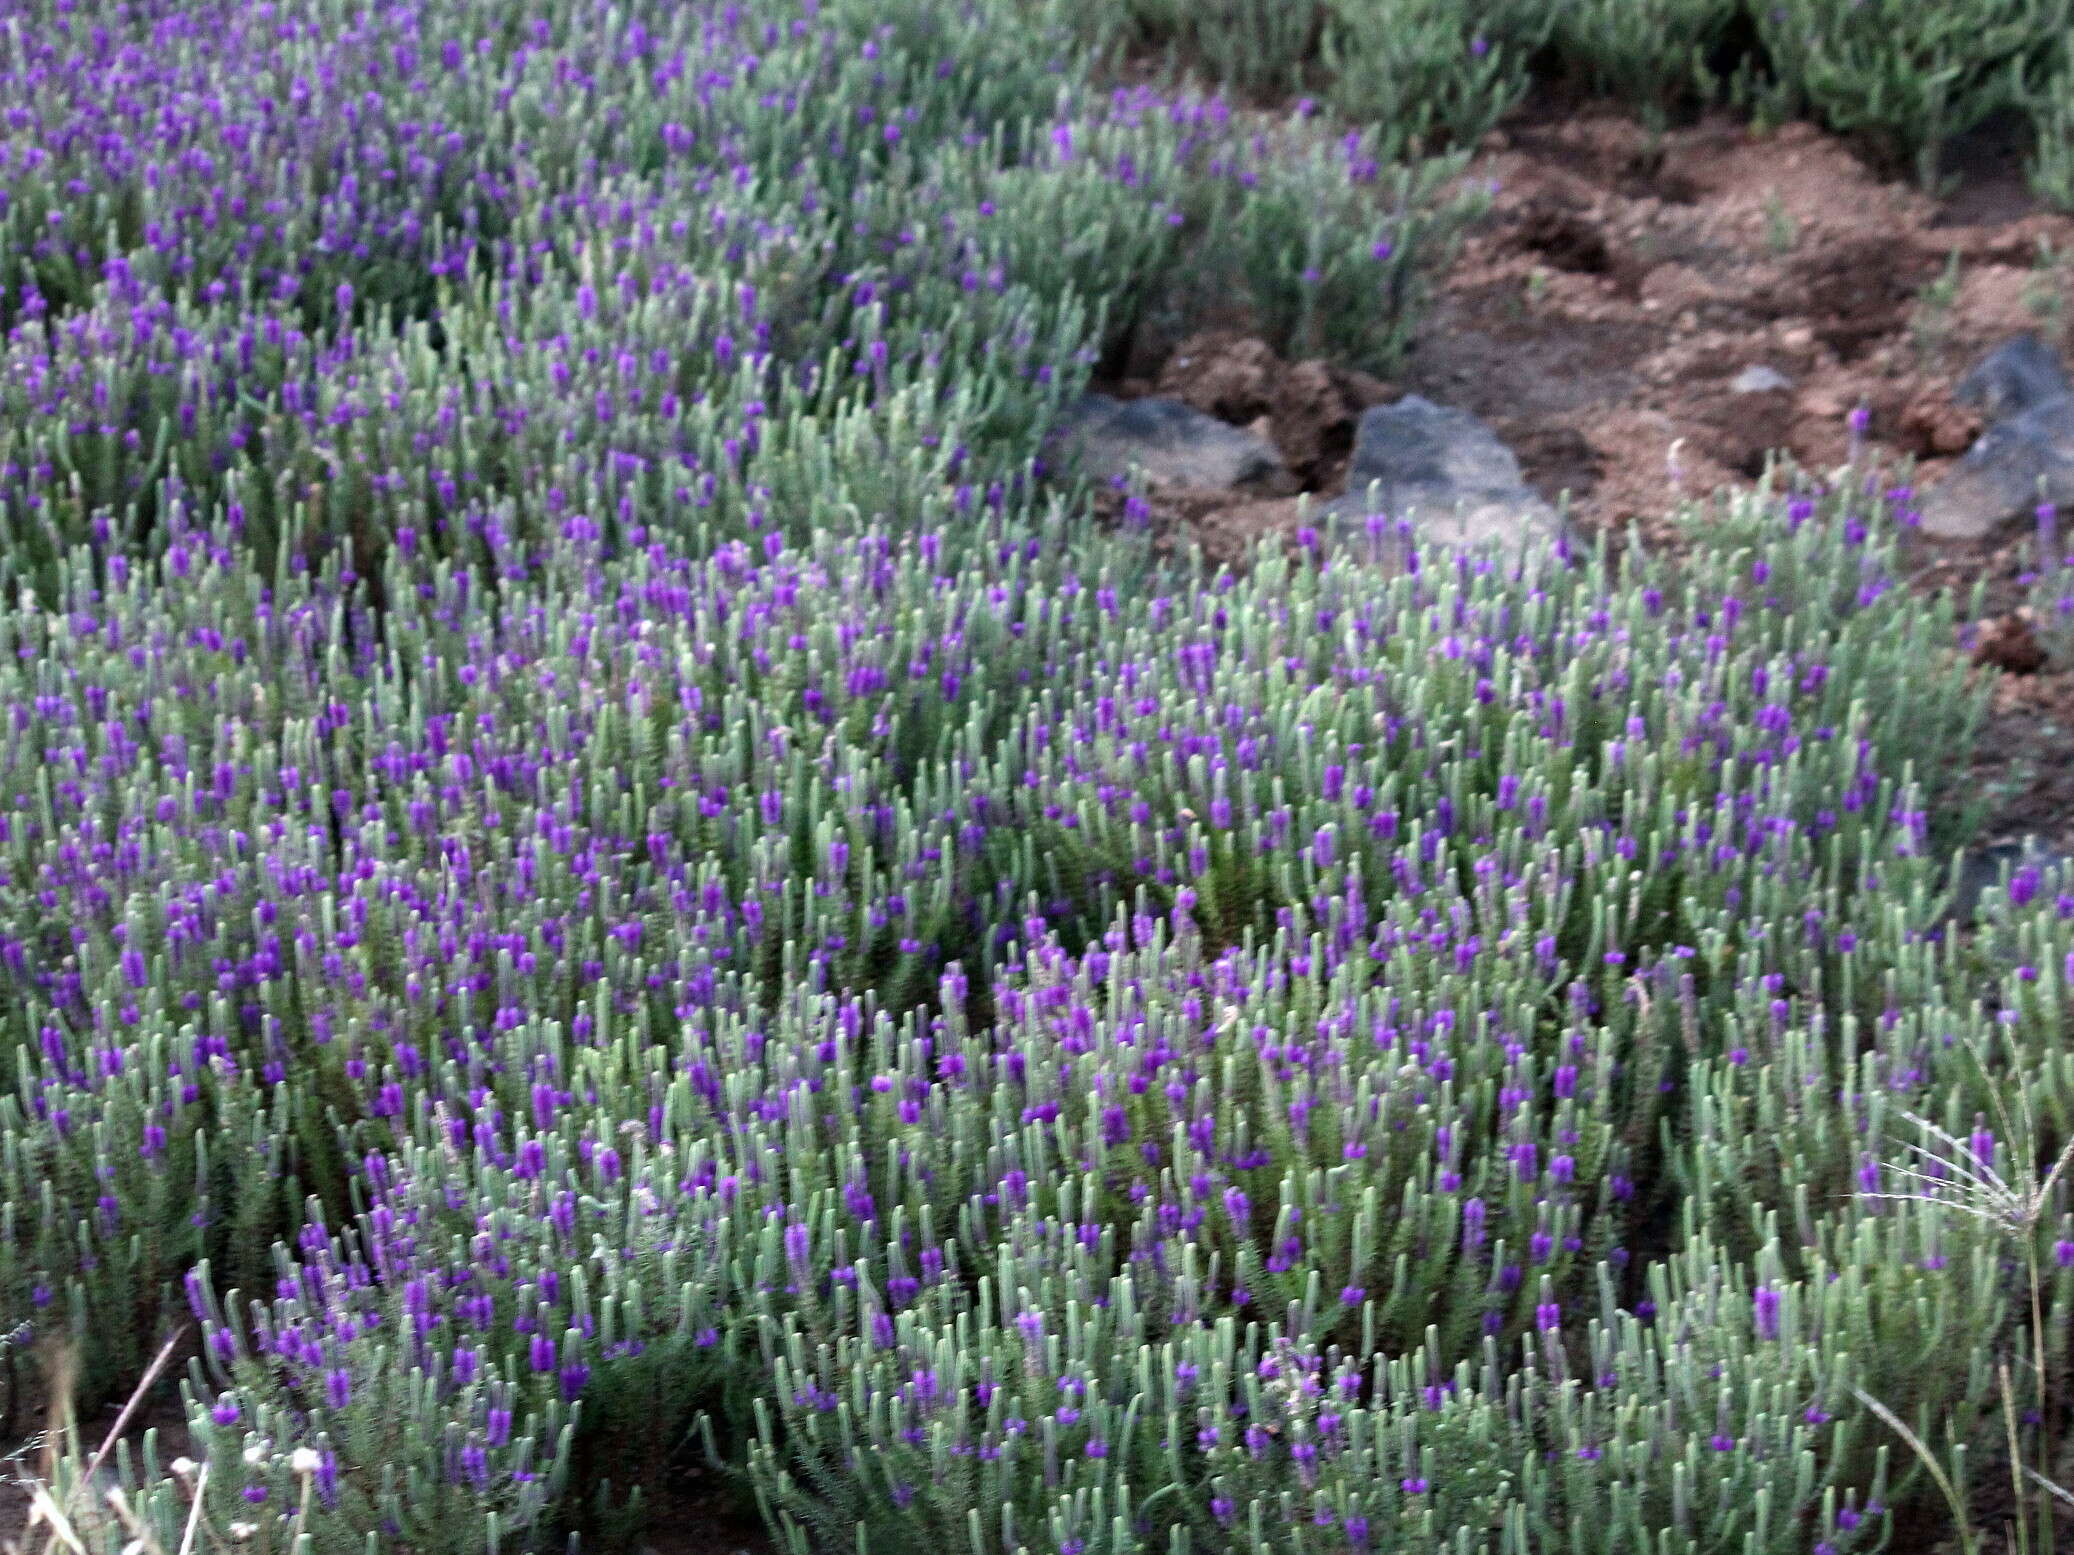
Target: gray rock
2012 467
1994 866
2026 454
1447 474
1174 444
1758 378
2015 376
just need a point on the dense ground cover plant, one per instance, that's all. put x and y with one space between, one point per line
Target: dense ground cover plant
593 857
1905 77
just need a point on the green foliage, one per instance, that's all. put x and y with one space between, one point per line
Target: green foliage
1412 70
590 859
1908 76
1335 249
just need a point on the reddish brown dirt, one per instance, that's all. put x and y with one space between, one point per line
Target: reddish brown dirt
1598 317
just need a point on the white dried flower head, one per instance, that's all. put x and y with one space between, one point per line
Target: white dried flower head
255 1455
243 1531
305 1460
183 1466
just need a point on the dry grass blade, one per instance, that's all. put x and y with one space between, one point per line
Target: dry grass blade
43 1508
2058 1167
145 1541
1964 1160
1929 1459
194 1511
1929 1198
129 1408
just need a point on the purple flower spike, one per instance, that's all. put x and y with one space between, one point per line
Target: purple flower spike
1766 1305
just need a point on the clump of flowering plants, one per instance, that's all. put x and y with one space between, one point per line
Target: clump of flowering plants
618 1110
592 858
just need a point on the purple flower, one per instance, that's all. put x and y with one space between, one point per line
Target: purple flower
1472 1225
1766 1305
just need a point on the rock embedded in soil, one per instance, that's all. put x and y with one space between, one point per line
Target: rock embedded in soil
1759 379
1171 443
2015 376
1445 472
2025 456
1995 866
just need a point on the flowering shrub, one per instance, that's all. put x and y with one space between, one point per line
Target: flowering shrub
594 862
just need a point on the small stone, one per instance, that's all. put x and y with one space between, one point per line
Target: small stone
1992 866
1172 443
2014 377
1445 473
1758 379
2026 455
2003 477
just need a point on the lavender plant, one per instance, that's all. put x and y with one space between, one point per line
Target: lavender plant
1653 55
1910 77
1253 46
1414 70
372 1012
595 863
1328 242
2049 170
